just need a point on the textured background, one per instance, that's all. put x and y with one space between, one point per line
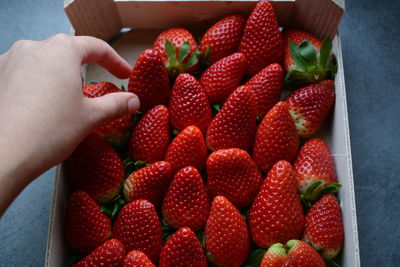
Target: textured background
370 40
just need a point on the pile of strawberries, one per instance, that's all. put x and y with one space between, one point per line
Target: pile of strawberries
181 183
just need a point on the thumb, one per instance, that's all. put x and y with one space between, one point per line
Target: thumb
112 106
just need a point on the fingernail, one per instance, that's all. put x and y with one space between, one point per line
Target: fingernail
133 104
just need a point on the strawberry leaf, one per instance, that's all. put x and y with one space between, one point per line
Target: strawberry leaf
324 52
312 191
194 59
183 51
170 51
297 57
330 189
307 52
255 257
331 263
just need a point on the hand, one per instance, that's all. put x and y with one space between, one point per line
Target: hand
43 113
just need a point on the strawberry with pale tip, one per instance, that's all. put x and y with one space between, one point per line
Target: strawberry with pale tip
276 256
303 255
186 202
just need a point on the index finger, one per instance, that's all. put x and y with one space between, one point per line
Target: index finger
94 50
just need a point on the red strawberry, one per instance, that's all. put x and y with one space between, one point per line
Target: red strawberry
149 80
310 105
276 257
307 59
150 138
110 254
261 41
178 49
235 125
324 226
276 214
96 168
314 169
223 38
186 203
226 235
303 255
233 174
189 104
86 227
149 183
117 131
138 227
276 138
267 87
222 78
187 149
137 258
183 249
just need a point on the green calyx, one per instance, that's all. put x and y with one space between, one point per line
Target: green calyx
112 208
317 189
309 66
180 63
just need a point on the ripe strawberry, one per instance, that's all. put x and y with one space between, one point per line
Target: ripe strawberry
110 254
303 255
149 80
314 169
267 87
178 50
310 105
186 203
261 41
137 226
86 227
324 226
223 38
226 234
235 125
276 138
95 167
117 131
183 249
189 104
149 183
222 78
276 257
307 59
276 214
233 174
150 138
137 258
187 149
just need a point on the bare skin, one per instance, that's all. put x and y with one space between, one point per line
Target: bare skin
43 113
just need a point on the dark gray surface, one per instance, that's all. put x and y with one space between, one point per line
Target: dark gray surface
370 40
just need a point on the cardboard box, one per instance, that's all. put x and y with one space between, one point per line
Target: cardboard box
105 19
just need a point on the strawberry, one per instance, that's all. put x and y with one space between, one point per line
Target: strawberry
137 226
223 38
149 183
276 138
306 58
149 80
95 167
189 104
187 149
233 174
303 255
261 42
110 254
116 131
183 249
310 105
324 226
226 234
221 78
235 125
150 138
137 258
276 257
314 169
186 203
266 87
276 214
178 50
85 227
